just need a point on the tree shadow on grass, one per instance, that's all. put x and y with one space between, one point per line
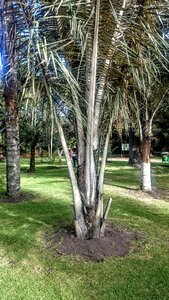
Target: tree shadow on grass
22 223
134 210
131 178
117 163
129 188
122 179
46 171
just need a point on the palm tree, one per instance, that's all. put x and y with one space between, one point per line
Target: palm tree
8 44
147 77
100 60
92 63
14 40
87 81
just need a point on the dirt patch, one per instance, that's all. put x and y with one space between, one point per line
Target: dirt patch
116 242
22 197
160 194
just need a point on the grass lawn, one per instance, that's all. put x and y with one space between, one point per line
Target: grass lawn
28 271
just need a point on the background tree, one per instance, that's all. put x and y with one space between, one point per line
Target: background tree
8 44
161 128
145 81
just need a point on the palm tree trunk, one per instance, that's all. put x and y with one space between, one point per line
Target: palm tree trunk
145 148
10 95
12 139
80 224
145 167
99 210
131 147
80 144
90 172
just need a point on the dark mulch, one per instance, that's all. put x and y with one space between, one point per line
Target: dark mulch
116 242
22 197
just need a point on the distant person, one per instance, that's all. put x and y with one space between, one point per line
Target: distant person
74 157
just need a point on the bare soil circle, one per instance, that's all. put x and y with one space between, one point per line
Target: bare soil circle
116 242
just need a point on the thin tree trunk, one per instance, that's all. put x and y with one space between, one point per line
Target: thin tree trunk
41 154
51 132
49 151
32 158
51 141
90 171
80 225
131 145
80 145
99 211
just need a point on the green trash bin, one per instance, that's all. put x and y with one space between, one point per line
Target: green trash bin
165 157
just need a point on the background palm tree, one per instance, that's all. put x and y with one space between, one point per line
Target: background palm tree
8 44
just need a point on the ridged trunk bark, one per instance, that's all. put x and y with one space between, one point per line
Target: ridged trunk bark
145 166
10 95
134 155
145 149
12 139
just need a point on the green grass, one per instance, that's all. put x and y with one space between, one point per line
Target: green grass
28 271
